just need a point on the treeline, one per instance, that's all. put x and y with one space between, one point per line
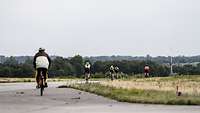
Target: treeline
60 67
187 69
158 59
75 67
11 68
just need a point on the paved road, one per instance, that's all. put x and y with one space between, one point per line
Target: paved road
23 98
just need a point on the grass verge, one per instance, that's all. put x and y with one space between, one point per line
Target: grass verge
138 95
16 80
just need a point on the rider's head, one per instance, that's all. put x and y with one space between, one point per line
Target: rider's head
41 49
87 63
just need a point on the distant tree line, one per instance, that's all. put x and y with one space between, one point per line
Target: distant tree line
187 69
75 67
60 67
11 68
158 59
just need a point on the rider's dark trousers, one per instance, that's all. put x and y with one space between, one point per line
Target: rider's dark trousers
44 72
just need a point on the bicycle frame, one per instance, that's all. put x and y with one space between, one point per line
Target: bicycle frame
87 77
112 76
41 83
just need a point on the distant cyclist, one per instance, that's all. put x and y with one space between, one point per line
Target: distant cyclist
87 71
117 71
112 72
146 70
41 63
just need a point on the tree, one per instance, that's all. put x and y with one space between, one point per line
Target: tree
11 62
77 62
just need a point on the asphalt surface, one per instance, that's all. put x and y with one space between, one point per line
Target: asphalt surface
24 98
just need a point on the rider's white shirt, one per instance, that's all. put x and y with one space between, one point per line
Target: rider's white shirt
146 67
87 66
112 68
42 62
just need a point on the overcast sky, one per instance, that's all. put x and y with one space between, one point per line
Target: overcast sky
100 27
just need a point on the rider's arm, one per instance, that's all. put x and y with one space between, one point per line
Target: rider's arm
49 59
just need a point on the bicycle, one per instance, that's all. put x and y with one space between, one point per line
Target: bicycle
41 83
87 77
112 76
146 75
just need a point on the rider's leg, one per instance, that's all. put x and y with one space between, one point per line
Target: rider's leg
117 75
146 74
87 74
112 76
45 77
37 77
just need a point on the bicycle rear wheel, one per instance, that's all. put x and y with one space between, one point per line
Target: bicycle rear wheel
112 76
86 77
41 88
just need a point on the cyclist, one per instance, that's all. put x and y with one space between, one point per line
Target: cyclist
117 71
146 70
112 71
41 63
87 70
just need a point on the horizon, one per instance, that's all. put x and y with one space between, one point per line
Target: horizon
101 56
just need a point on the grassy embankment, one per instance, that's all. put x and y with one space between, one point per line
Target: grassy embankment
148 90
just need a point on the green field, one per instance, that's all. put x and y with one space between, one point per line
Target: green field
155 90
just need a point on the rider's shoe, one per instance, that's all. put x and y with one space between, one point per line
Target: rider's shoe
45 85
37 87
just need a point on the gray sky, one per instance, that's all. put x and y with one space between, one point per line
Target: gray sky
100 27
